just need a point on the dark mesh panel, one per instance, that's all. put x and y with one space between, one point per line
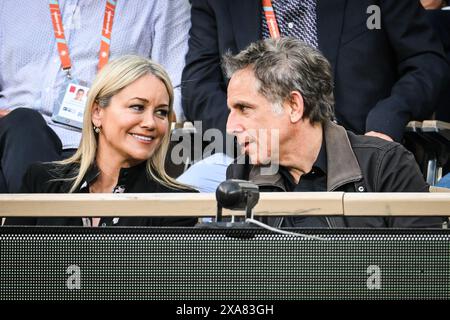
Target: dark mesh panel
183 263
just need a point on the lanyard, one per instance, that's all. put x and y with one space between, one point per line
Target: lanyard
106 33
63 49
271 19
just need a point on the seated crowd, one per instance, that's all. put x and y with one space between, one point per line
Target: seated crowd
311 105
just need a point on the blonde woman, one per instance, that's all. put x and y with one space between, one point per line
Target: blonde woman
124 142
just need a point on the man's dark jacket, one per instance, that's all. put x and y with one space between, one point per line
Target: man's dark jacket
355 164
383 77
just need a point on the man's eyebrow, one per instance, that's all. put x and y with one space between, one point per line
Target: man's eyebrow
242 103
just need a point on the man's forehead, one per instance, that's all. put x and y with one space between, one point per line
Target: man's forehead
240 95
243 82
245 75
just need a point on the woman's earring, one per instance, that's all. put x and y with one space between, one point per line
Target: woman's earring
96 129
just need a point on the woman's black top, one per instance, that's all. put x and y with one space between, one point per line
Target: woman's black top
46 178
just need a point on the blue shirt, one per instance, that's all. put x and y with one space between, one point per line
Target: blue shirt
30 67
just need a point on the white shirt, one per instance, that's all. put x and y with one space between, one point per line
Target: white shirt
30 67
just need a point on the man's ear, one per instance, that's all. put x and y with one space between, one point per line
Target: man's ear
96 116
296 106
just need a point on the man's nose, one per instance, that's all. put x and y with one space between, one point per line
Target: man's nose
233 126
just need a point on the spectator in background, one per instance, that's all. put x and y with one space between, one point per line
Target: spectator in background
124 140
385 75
388 66
32 80
438 12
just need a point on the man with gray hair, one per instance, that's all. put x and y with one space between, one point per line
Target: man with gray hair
284 88
388 65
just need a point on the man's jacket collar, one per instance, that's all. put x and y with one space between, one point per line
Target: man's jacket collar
342 166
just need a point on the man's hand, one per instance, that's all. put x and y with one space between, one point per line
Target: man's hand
379 135
3 113
432 4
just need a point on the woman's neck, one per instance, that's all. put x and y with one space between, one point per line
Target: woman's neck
108 177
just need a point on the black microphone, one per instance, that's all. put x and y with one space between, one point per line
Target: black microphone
236 194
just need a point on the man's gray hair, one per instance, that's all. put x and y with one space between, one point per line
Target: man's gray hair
284 65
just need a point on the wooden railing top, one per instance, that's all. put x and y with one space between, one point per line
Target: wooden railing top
204 204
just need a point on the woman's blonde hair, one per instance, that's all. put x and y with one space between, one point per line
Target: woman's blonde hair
115 76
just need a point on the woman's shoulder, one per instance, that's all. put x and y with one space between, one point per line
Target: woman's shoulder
153 185
51 170
41 170
41 176
176 189
188 189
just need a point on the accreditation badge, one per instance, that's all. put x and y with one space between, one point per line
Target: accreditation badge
71 102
